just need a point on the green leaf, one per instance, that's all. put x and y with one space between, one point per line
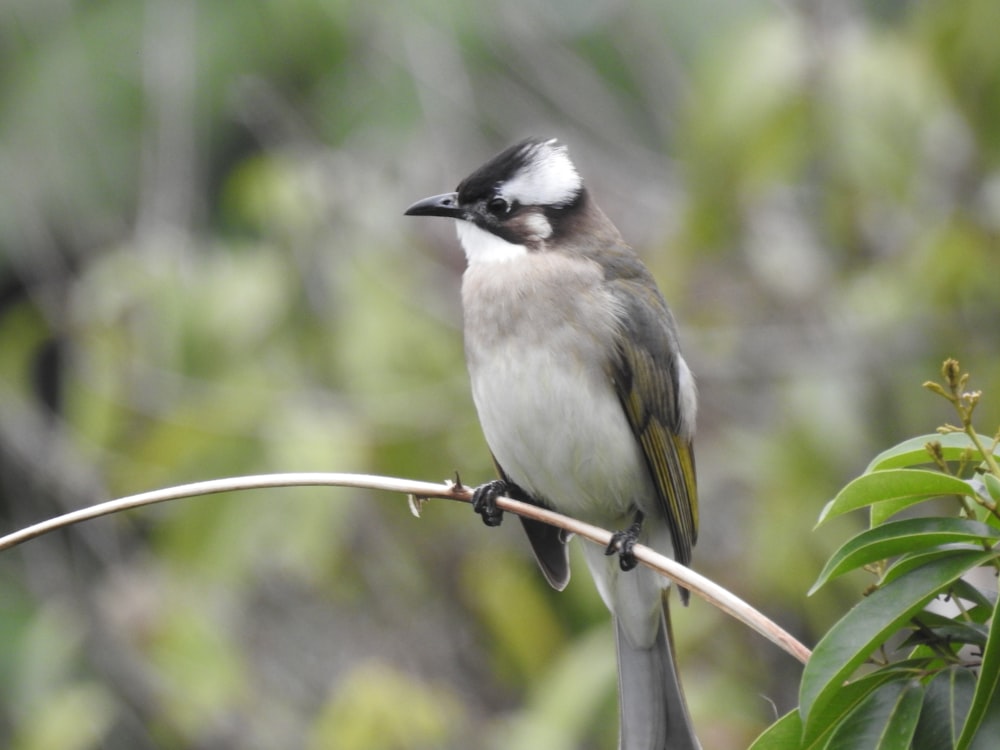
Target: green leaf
984 601
825 719
899 488
913 452
784 734
982 725
880 512
992 486
953 630
974 557
895 538
849 642
946 703
885 720
989 730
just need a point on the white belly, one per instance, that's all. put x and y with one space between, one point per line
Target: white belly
537 362
560 435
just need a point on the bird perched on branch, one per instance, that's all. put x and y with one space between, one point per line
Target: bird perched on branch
585 401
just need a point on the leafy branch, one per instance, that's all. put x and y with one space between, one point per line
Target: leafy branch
915 664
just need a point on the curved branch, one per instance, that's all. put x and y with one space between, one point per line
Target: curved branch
419 491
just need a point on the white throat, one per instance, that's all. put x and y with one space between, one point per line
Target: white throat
485 247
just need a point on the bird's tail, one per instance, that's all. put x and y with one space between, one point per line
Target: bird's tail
652 709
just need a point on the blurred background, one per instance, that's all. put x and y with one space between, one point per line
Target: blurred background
205 272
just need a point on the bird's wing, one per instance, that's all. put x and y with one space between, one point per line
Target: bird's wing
645 373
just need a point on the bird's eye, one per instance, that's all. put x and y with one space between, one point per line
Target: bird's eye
498 205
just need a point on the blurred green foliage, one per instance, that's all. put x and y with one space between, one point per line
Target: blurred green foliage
204 272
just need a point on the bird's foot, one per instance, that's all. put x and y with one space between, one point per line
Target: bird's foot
484 501
623 541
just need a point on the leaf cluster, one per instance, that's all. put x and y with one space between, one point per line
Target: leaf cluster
915 664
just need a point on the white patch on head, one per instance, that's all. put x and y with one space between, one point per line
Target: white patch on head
548 179
485 247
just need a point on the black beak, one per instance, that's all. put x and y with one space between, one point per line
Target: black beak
445 205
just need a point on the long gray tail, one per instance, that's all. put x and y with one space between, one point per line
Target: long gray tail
651 704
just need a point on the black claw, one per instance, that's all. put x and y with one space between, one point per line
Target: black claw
622 542
484 501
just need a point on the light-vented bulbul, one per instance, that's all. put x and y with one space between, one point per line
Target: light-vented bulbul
585 402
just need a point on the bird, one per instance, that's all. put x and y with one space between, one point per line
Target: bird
586 404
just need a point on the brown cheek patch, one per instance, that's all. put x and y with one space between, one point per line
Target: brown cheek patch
529 227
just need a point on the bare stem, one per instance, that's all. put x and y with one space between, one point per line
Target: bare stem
703 587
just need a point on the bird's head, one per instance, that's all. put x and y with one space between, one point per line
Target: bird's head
515 203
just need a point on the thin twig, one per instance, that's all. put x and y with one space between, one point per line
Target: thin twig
692 581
